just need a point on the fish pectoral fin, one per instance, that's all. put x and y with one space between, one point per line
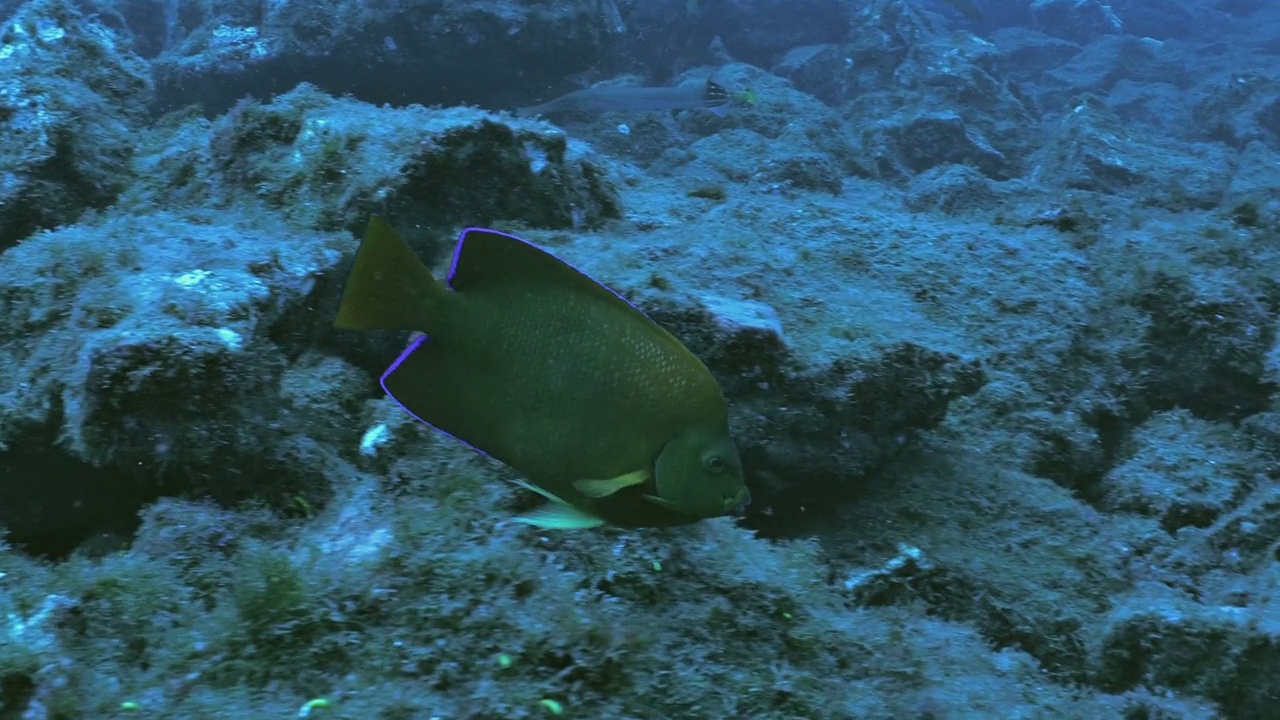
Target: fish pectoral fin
605 488
662 503
555 516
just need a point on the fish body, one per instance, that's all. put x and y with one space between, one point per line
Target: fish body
711 96
537 365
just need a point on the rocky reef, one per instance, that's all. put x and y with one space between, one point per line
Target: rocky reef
992 293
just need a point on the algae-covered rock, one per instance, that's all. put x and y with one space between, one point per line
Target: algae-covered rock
424 50
936 99
1183 471
1229 654
1254 193
72 95
1102 65
1027 54
1240 109
1091 149
1206 346
953 190
1078 20
140 353
327 164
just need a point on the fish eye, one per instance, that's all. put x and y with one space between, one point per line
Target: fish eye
714 463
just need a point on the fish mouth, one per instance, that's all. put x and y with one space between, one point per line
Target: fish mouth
738 504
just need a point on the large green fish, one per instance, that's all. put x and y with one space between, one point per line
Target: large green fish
537 365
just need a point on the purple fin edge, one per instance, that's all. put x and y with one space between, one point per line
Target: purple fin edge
404 354
395 365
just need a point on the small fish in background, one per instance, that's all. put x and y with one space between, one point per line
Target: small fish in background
537 365
711 96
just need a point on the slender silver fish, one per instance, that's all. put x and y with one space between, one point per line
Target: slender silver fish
712 97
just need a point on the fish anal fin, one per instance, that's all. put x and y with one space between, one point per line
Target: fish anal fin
555 516
605 488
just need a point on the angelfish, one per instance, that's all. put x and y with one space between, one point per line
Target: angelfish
532 362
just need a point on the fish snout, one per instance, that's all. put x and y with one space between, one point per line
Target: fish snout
737 503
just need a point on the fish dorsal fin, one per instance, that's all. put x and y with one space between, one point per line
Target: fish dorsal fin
488 258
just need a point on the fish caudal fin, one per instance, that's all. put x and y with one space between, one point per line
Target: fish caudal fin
389 288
